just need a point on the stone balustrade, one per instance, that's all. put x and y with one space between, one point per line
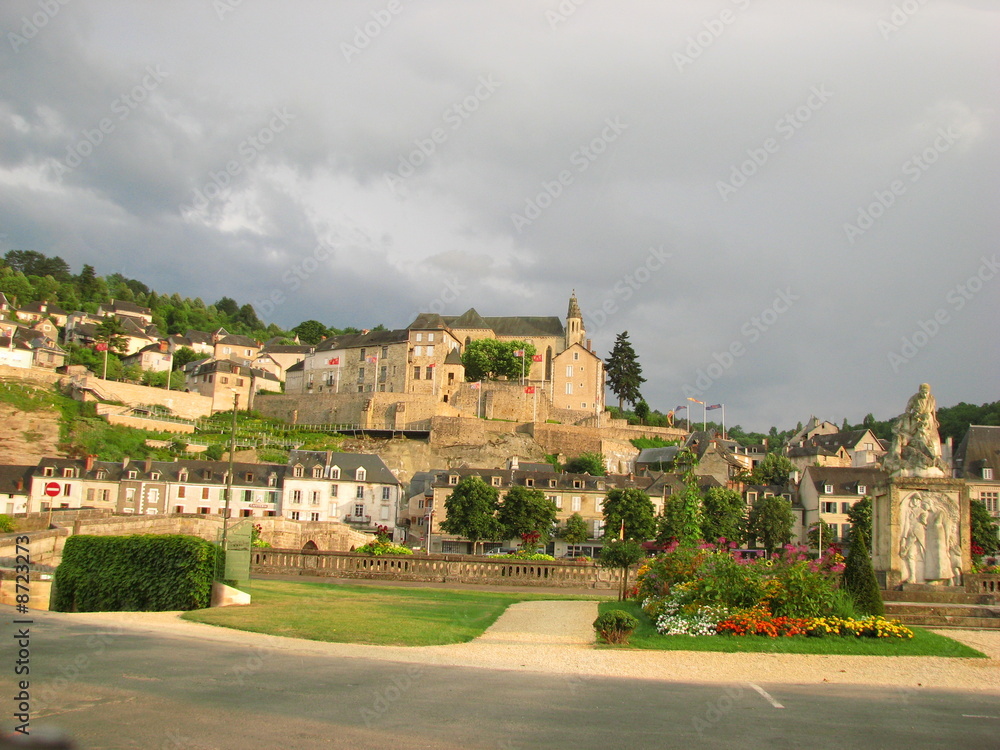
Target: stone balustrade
434 568
984 584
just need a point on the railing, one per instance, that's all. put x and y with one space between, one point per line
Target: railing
438 568
984 584
357 519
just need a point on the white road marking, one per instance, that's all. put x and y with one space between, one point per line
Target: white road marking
765 695
977 716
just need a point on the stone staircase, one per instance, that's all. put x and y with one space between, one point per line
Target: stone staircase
942 607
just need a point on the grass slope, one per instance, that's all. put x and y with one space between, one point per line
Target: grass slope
923 643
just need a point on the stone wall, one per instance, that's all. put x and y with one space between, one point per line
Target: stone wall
156 425
434 568
184 405
39 375
376 411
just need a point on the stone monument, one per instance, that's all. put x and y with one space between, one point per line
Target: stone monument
920 515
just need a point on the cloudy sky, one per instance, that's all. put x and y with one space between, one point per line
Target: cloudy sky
790 206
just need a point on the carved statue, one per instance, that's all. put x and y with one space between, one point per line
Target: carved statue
916 444
929 548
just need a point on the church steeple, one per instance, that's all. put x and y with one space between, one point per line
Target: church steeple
574 323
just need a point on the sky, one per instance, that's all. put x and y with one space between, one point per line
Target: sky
789 206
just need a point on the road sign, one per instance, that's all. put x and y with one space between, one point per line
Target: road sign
52 489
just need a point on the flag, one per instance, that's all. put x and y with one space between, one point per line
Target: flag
682 407
519 352
696 401
334 361
621 534
537 358
476 386
372 360
713 406
432 364
530 389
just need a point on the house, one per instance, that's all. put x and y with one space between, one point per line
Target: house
847 448
155 357
36 311
352 488
716 457
15 488
14 350
241 349
6 308
277 358
812 428
201 341
121 309
82 328
829 492
74 483
977 461
46 353
223 379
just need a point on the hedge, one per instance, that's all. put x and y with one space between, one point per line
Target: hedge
138 573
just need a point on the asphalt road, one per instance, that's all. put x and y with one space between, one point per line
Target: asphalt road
110 688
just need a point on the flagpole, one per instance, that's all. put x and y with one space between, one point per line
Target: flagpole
479 405
723 421
704 418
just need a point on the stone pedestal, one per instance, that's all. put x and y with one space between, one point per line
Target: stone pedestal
920 531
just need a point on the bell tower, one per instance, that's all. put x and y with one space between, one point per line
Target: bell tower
575 332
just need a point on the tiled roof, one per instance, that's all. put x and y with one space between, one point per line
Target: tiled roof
375 469
979 449
845 479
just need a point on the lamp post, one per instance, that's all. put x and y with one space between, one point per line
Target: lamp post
229 475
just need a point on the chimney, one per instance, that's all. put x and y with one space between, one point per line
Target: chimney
590 345
163 345
125 460
89 463
365 331
148 465
20 484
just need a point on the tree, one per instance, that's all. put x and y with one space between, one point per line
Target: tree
311 331
859 577
682 512
470 511
575 530
860 516
774 469
16 286
489 359
247 317
770 523
185 355
32 263
621 554
813 536
524 511
723 512
227 306
112 332
632 506
642 411
623 371
586 463
983 528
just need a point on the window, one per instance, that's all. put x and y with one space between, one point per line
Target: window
386 493
597 528
359 510
452 479
845 532
334 489
429 373
181 492
751 497
90 496
869 446
383 372
335 472
315 498
239 381
66 488
416 373
132 475
295 515
246 512
272 480
360 474
67 472
430 351
430 336
529 482
47 471
385 352
828 489
829 507
768 494
569 389
418 351
361 374
297 471
557 501
360 492
990 500
204 511
987 472
204 493
845 507
495 481
577 484
569 371
576 356
297 496
552 483
361 355
420 337
223 379
314 516
576 502
583 404
862 489
248 496
227 350
317 472
597 504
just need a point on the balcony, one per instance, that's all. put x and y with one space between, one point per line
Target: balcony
358 520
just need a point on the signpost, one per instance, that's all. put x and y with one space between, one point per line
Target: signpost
52 489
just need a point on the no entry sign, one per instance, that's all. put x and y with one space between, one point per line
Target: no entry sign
52 489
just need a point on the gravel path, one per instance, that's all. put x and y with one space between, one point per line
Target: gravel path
556 637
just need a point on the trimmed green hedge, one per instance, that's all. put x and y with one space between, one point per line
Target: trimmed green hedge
138 573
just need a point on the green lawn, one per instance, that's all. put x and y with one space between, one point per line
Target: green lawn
923 643
384 616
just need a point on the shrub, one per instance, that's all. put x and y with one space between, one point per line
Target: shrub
144 573
380 547
859 577
675 565
6 523
615 626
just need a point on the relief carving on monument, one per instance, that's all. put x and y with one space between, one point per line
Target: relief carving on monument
929 546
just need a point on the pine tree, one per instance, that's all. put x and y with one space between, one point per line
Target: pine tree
624 371
859 576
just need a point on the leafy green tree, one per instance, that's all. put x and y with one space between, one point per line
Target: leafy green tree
489 359
525 511
586 463
859 577
682 512
772 469
228 307
624 372
247 317
575 530
642 411
723 514
185 355
311 331
983 528
860 516
471 511
33 263
770 523
622 554
632 506
112 332
813 536
16 287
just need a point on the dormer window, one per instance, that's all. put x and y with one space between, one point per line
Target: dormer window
48 471
155 475
495 481
552 483
452 479
249 476
529 482
360 475
317 472
577 484
102 474
181 477
67 472
828 489
862 489
131 475
987 472
272 480
751 497
297 470
335 472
